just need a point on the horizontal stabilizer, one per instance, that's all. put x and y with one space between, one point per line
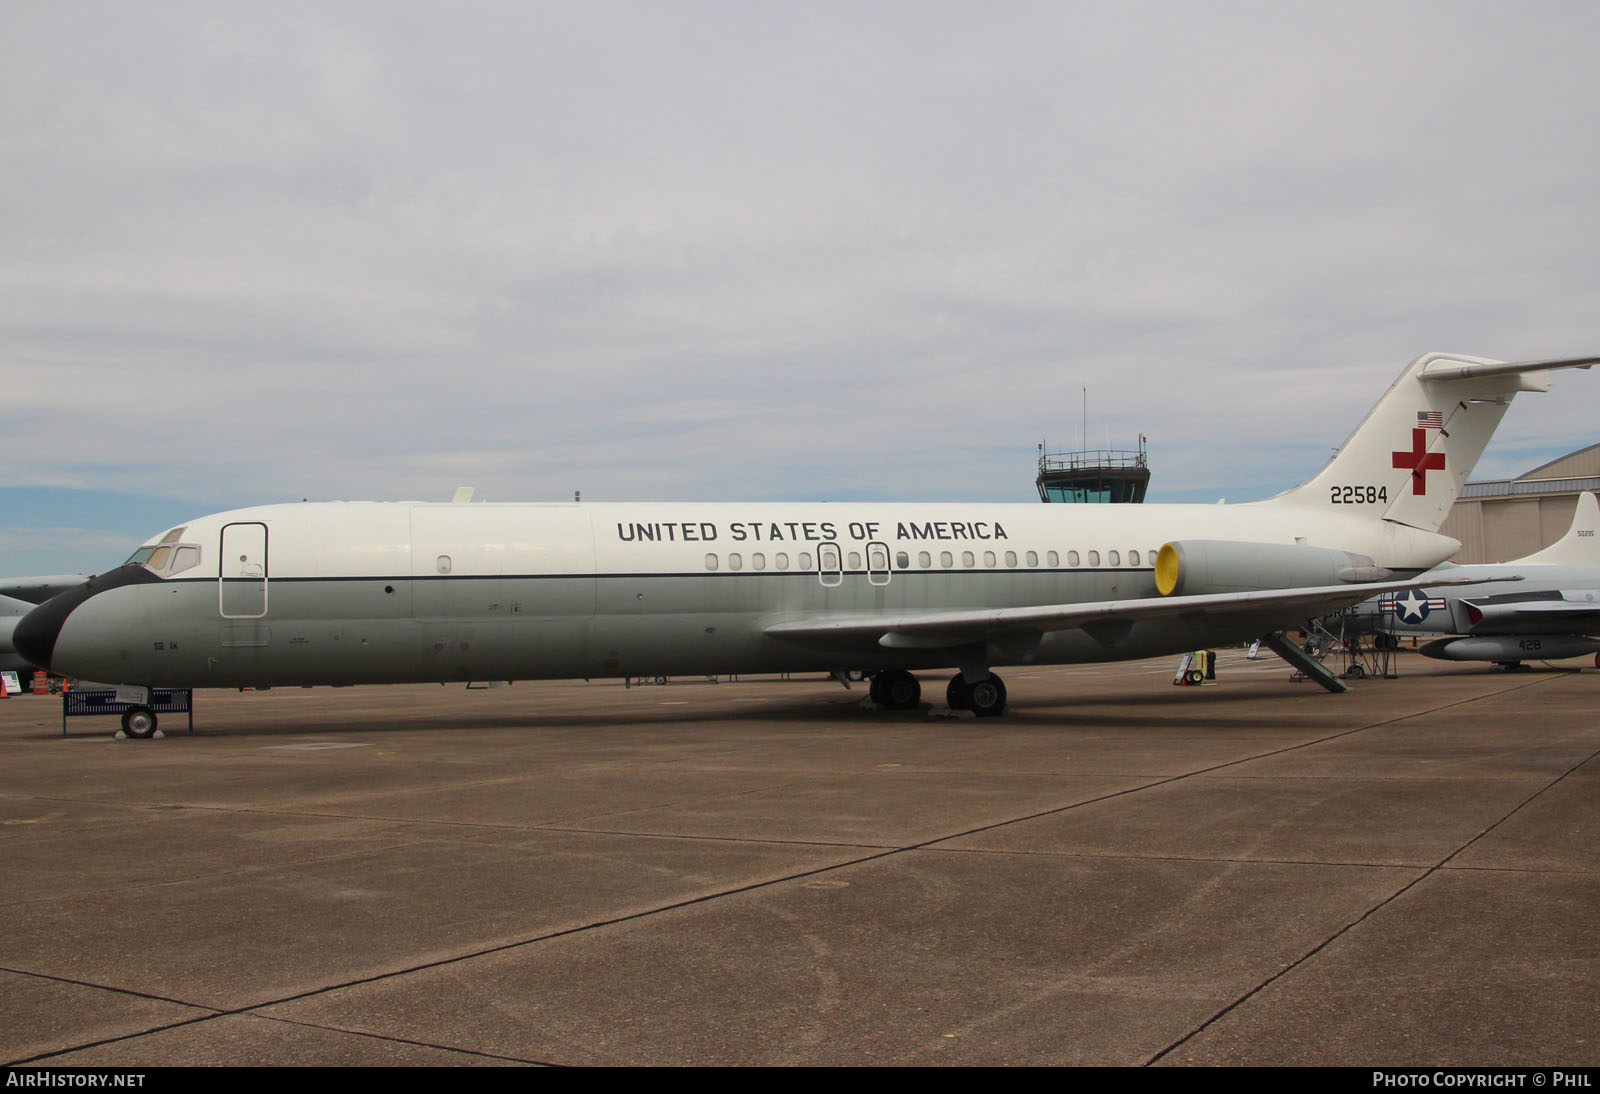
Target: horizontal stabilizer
1444 371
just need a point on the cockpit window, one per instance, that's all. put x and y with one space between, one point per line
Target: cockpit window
185 557
168 557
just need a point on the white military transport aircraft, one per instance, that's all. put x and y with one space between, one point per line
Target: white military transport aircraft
373 592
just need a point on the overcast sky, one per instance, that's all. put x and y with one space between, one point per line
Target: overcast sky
260 252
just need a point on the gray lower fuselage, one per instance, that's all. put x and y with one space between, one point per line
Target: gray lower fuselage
394 630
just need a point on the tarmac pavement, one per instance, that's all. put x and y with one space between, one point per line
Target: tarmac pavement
762 872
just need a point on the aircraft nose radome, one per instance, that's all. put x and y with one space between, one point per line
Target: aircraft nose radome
37 632
35 635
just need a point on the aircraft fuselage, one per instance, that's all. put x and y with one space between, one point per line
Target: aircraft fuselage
359 593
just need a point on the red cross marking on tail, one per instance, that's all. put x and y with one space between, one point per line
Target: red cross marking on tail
1420 461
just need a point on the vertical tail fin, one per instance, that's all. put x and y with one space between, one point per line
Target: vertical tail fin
1581 545
1411 454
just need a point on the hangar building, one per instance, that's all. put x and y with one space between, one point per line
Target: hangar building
1498 521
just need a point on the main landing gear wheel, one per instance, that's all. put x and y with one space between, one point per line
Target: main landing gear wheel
896 689
957 694
139 723
986 698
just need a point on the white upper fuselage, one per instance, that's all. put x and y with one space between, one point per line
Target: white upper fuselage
406 539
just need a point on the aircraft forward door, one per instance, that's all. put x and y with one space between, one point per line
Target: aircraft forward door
242 578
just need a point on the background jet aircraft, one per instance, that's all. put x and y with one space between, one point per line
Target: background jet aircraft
18 597
1552 613
343 593
10 612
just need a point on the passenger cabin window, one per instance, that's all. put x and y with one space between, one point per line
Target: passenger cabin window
902 560
782 560
1133 558
1113 558
711 561
1072 558
924 559
967 560
988 560
1052 559
1011 558
1094 558
1032 558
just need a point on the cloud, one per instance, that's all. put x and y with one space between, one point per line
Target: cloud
729 251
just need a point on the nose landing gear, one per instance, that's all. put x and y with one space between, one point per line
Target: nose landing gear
139 723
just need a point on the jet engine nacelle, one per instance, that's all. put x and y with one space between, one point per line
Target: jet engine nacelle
1511 647
1197 567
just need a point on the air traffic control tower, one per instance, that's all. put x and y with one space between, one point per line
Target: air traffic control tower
1098 475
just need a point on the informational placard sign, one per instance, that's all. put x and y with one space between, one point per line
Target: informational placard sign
9 680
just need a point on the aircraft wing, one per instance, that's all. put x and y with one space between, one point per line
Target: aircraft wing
962 626
36 590
1569 614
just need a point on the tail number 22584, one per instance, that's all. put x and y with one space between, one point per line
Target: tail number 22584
1358 495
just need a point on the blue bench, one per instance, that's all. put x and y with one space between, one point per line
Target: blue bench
78 704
